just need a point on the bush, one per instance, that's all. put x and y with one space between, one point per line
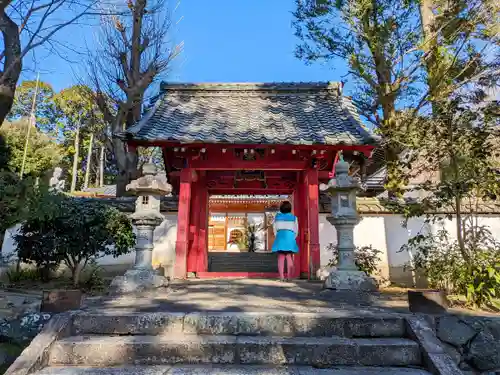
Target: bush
13 195
23 274
442 261
365 257
91 279
73 231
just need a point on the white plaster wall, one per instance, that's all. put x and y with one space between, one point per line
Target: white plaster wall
369 231
8 244
165 237
383 232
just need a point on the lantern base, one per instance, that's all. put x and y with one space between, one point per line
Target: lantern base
350 280
138 280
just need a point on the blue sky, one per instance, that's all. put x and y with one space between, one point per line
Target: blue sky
224 41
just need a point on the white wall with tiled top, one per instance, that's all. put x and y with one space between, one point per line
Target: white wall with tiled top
383 232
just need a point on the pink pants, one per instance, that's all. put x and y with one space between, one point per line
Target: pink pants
281 265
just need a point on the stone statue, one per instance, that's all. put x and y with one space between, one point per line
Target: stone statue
55 184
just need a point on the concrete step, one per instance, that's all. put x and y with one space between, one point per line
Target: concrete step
104 351
229 370
109 322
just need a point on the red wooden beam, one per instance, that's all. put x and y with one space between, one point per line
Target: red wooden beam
274 174
234 164
231 191
365 149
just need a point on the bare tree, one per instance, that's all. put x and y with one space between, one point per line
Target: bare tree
28 24
133 53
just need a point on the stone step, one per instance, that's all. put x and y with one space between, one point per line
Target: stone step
242 262
108 322
104 351
229 370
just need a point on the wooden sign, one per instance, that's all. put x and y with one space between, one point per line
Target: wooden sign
57 301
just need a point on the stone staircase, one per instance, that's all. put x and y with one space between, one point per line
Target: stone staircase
242 262
120 342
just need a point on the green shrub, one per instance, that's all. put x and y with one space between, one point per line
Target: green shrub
73 231
13 195
23 274
442 261
484 285
365 257
92 279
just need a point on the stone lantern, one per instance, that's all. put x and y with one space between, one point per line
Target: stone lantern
342 190
149 189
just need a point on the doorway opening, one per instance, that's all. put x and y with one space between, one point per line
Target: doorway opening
240 233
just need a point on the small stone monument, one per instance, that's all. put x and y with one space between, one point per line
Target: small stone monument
149 189
342 190
56 185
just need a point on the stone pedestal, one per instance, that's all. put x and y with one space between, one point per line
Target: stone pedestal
350 280
142 276
138 280
347 276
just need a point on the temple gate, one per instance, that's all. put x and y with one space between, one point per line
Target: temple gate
250 140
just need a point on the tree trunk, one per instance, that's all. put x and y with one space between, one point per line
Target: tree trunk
6 101
89 162
427 18
2 239
12 62
101 166
126 162
76 272
75 159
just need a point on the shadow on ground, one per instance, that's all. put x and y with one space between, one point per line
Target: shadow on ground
254 295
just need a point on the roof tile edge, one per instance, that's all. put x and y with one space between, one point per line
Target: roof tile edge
251 86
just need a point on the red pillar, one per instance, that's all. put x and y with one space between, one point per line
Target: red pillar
312 202
197 251
297 210
183 216
202 208
194 219
303 218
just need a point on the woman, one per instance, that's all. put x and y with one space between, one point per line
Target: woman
286 228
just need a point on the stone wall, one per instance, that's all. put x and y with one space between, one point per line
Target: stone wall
472 342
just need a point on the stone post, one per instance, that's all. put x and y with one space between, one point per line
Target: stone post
342 191
149 189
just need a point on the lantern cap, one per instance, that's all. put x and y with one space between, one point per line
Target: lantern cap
151 183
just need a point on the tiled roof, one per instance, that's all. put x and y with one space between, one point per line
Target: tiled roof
108 190
249 113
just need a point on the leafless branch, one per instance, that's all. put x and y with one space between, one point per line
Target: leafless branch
132 53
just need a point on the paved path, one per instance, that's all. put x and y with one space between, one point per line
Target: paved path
261 295
255 295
